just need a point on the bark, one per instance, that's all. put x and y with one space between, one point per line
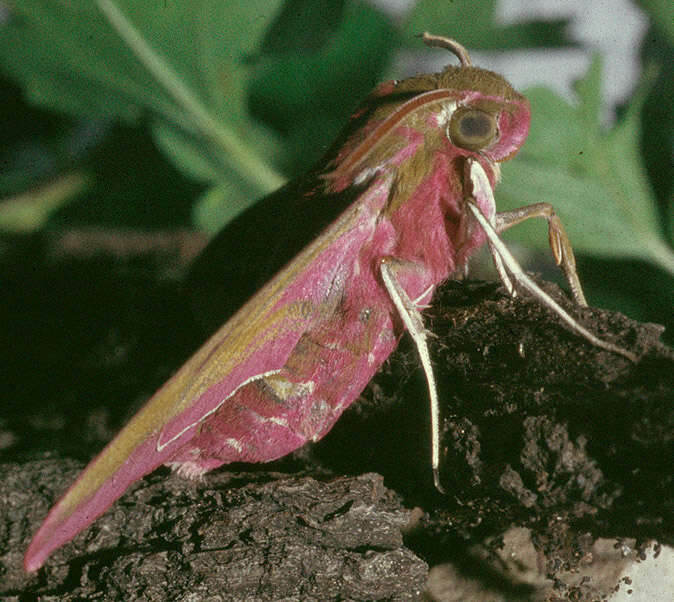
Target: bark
232 537
540 430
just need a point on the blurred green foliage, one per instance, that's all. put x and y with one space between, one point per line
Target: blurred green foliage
238 96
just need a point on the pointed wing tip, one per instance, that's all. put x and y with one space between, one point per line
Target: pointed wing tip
31 565
35 556
44 542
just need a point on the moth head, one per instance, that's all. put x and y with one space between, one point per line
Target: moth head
490 116
476 110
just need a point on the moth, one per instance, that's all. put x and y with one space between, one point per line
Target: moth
415 170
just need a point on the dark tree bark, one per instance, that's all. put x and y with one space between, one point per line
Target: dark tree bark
539 429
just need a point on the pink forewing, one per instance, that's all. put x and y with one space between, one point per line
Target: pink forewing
153 437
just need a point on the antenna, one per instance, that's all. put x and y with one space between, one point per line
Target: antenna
451 45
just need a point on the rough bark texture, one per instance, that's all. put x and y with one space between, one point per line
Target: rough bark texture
233 537
540 430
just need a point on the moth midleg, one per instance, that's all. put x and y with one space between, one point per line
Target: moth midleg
520 276
413 320
559 240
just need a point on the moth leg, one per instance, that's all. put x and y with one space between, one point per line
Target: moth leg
559 241
416 302
523 279
501 271
413 321
480 187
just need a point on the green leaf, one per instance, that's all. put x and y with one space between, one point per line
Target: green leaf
220 204
184 63
309 95
594 178
186 152
662 14
29 211
450 18
303 25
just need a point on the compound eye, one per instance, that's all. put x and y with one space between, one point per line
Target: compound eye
472 129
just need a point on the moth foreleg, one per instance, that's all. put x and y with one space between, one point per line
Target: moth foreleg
501 271
559 240
413 321
521 278
480 187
